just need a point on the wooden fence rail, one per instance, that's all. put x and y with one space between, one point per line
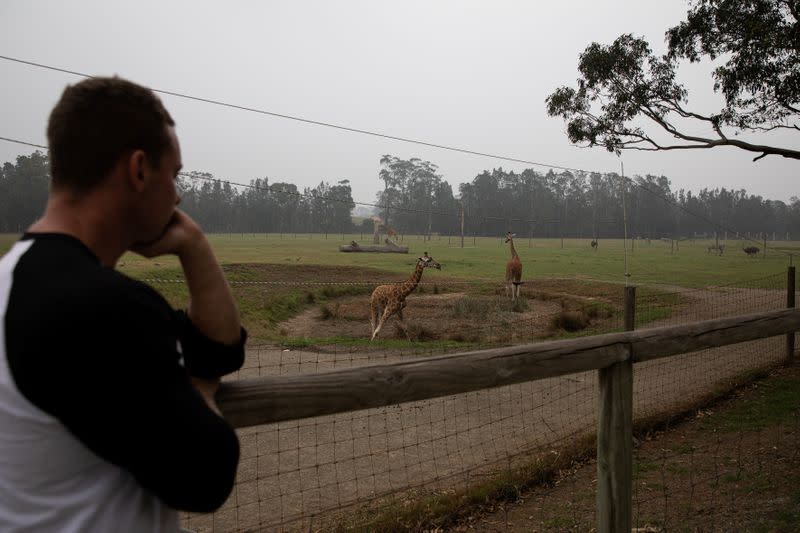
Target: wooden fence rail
273 399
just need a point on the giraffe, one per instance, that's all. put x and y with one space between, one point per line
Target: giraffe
387 300
381 227
513 269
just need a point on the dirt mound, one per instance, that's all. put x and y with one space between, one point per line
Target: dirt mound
451 316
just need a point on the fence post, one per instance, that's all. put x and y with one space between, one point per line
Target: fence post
790 283
615 438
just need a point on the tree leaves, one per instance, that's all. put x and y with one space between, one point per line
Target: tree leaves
624 82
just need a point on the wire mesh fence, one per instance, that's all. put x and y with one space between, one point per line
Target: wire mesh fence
727 470
354 468
733 465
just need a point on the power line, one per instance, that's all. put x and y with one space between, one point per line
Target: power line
705 219
270 189
274 189
23 142
308 121
364 132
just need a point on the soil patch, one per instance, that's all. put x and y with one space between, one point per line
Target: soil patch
452 316
480 314
732 466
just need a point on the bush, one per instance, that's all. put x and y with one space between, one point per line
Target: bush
598 310
520 305
415 332
329 313
570 321
470 306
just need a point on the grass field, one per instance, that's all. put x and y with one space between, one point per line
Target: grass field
654 262
315 258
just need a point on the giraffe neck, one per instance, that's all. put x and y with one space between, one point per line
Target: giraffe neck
411 283
513 250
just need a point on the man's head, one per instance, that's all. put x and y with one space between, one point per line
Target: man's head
112 134
96 122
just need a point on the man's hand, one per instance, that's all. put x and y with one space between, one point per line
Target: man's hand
211 306
178 238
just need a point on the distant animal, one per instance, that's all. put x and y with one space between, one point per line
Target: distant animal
513 269
717 249
387 300
594 244
752 250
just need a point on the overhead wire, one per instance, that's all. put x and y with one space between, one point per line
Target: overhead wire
273 189
367 132
364 132
305 120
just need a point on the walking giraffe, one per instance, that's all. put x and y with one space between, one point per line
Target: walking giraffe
513 269
386 300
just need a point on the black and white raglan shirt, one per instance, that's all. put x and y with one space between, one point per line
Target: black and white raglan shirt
100 427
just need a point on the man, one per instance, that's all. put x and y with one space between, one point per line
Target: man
106 393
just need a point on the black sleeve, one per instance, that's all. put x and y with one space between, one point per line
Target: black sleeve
119 388
205 358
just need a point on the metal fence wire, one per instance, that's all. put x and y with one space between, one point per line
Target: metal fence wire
314 473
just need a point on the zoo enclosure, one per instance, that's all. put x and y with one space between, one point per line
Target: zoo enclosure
281 398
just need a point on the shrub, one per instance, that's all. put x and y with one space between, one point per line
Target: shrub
329 313
570 321
520 305
598 310
469 306
415 332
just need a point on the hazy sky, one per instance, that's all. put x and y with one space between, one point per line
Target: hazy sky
468 74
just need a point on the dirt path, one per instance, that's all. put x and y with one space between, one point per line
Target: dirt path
731 467
295 470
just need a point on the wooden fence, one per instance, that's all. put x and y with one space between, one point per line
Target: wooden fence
273 399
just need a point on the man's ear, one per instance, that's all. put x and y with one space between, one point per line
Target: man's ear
136 169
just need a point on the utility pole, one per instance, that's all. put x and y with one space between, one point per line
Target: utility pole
462 223
533 191
564 223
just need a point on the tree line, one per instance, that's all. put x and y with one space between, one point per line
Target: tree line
416 199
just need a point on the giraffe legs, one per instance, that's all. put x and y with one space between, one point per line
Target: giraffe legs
513 289
375 312
402 321
388 311
510 289
377 319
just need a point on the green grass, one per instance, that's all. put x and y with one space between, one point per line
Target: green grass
684 449
640 467
482 261
691 266
777 402
560 522
436 511
387 344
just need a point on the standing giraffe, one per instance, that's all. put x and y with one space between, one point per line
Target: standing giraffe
513 269
387 300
